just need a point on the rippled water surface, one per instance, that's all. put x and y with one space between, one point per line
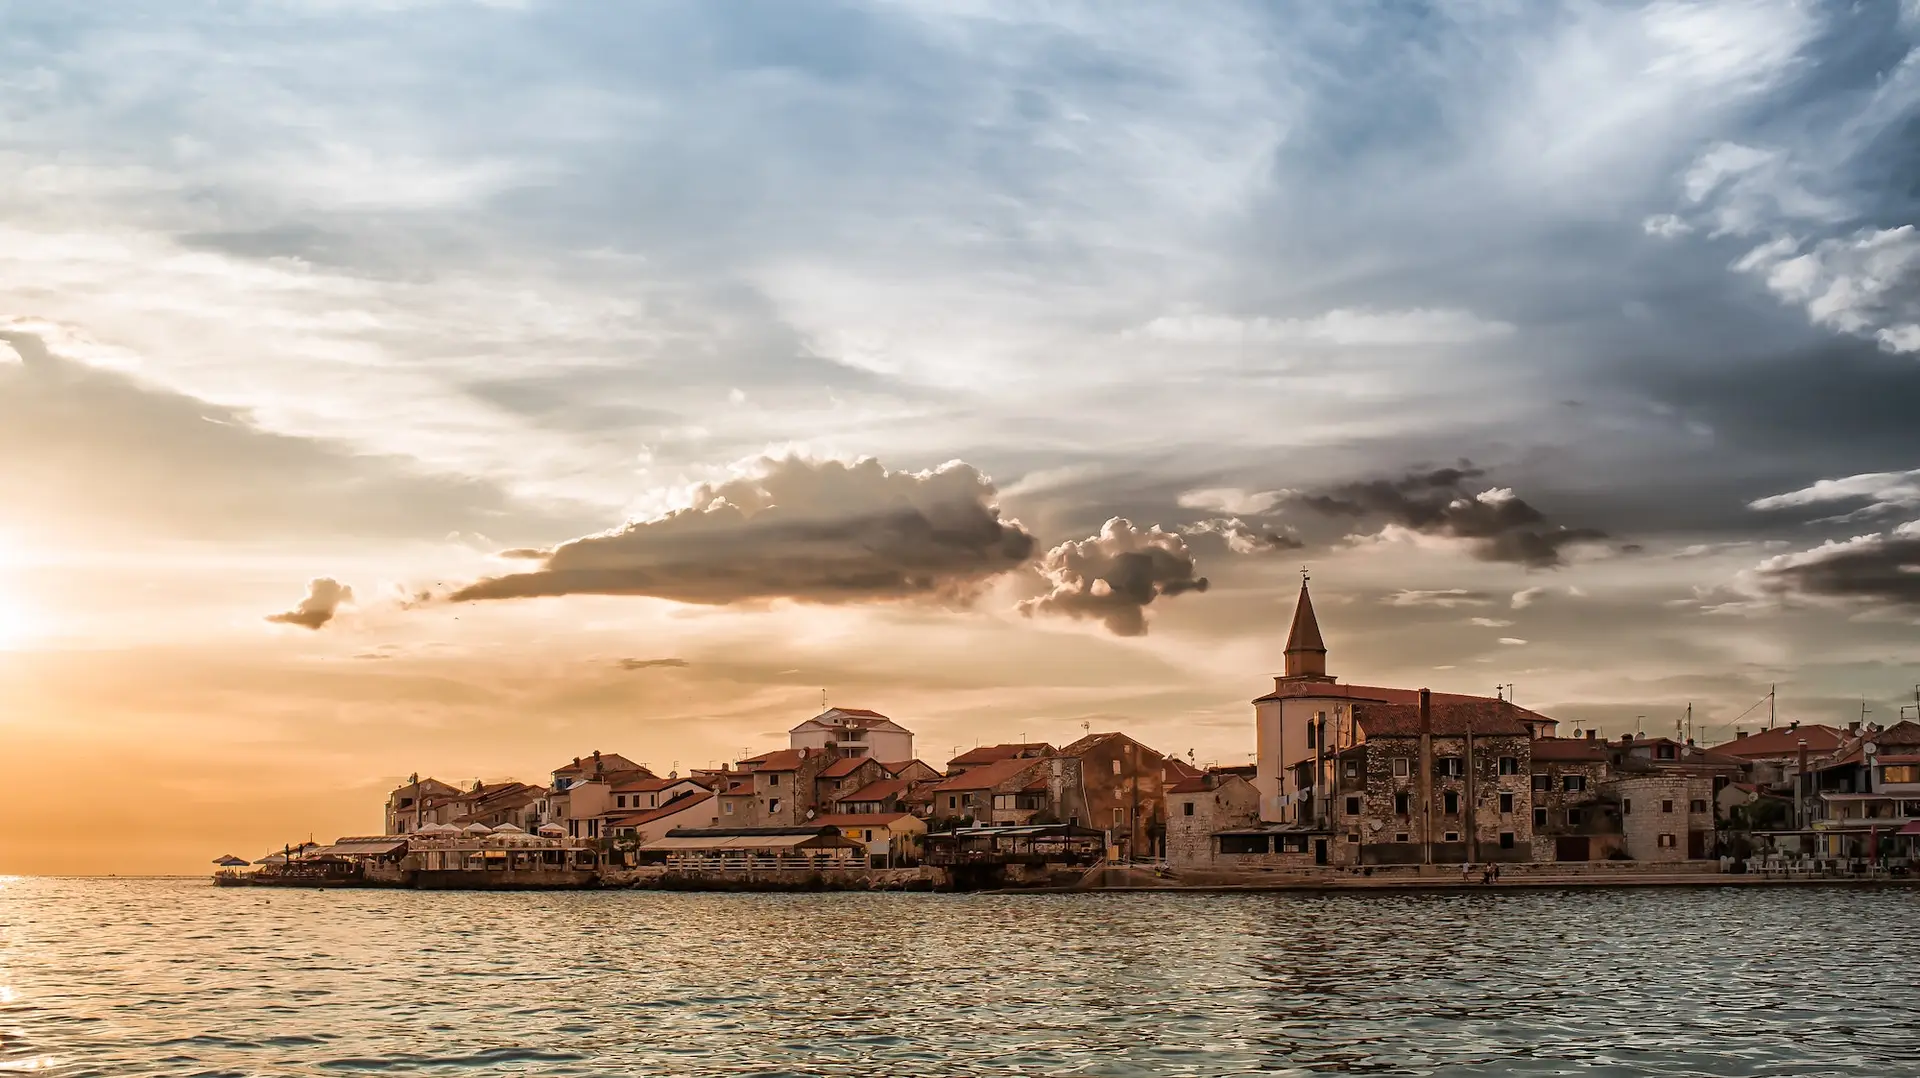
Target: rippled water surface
176 977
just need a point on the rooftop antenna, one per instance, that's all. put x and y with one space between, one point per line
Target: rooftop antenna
1770 716
823 699
1499 692
1689 721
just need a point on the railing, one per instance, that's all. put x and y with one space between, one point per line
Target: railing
762 863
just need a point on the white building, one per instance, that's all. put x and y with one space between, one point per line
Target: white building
852 731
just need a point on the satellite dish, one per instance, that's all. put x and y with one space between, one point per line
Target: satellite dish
1870 748
809 814
1686 750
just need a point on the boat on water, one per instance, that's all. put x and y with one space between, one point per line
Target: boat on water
438 857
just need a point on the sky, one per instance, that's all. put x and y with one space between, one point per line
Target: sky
394 387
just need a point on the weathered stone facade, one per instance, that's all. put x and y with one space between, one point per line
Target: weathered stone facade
1119 791
1573 818
1477 807
1198 807
1665 815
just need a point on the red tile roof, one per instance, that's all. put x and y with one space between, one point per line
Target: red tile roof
1905 758
1569 750
1451 718
898 766
877 791
1904 734
778 760
987 776
1092 741
1782 741
679 804
987 754
1378 693
1199 784
1176 768
650 785
610 763
843 767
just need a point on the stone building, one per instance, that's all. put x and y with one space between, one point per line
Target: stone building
1306 722
1112 782
1434 783
1668 796
417 804
1202 805
1574 818
783 786
1006 791
854 731
993 754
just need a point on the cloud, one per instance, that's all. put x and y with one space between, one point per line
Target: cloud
1490 623
1884 492
1866 284
1448 598
1232 501
1243 538
1513 641
1665 225
1336 327
649 664
1494 524
1525 596
1881 568
820 531
324 598
1114 575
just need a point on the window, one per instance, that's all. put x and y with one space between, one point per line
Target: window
1506 803
1450 766
773 780
1402 804
1543 782
1313 739
773 804
1900 773
1401 767
1353 806
1452 803
1509 765
1400 836
1118 819
1450 836
1626 806
1573 784
1353 769
1575 817
1663 752
952 801
1243 844
1539 817
1666 842
1186 809
1697 806
1116 767
1506 840
1353 836
620 801
727 808
1666 806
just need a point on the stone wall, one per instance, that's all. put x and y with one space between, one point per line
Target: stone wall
1381 833
1657 817
1233 802
1599 826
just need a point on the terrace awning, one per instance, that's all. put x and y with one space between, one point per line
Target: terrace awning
1911 829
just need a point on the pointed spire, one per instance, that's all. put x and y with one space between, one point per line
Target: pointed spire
1306 651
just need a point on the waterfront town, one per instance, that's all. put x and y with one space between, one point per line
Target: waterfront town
1349 782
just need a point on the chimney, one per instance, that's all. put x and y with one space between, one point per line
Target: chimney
1853 728
1794 725
1626 738
1591 733
1426 711
1738 734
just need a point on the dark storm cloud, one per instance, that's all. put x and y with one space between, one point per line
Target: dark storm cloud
1497 524
816 531
650 664
1880 569
324 598
1112 577
1244 538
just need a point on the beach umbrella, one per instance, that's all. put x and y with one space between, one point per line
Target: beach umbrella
508 829
553 830
230 861
273 859
477 829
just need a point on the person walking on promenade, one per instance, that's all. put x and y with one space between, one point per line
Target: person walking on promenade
1466 872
